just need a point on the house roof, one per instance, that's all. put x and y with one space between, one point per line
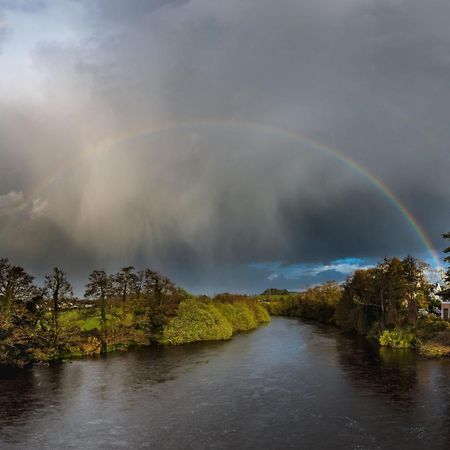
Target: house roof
444 293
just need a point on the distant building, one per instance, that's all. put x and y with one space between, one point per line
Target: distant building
445 310
444 294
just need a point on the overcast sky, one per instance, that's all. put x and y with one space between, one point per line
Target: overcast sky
125 136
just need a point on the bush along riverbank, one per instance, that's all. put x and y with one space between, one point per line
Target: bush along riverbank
211 320
129 308
392 303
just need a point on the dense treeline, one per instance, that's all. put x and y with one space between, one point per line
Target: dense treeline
317 303
44 323
393 302
386 296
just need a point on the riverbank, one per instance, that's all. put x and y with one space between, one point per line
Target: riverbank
83 332
393 302
208 320
429 335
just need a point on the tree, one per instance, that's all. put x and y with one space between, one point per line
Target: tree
99 287
447 250
416 287
20 335
20 314
158 287
125 282
391 289
384 296
15 285
361 303
447 258
445 294
139 283
57 289
160 293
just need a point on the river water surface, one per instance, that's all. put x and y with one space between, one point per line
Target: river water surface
291 384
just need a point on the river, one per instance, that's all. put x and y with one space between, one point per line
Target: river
290 384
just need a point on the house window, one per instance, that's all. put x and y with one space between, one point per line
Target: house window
445 313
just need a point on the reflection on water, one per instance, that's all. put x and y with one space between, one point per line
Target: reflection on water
388 372
292 384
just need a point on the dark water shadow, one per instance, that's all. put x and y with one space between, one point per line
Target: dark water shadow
26 392
388 372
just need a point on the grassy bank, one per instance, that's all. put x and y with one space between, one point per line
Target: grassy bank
82 332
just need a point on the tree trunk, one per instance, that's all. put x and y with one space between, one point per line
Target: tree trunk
55 315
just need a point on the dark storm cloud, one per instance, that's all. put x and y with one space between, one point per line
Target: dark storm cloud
205 202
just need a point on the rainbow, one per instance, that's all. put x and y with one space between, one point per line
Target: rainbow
333 152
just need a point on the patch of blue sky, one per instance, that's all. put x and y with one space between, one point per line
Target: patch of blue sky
350 260
335 269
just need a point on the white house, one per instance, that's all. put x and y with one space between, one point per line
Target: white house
445 305
445 310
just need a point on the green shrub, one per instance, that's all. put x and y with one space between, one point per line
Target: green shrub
91 323
243 315
279 307
196 321
397 338
428 327
243 318
229 311
261 314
